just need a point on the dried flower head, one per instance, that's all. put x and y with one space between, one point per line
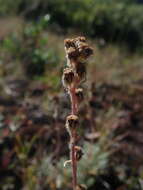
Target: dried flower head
72 53
72 123
77 48
69 43
68 77
85 52
81 187
81 70
79 94
80 45
81 39
78 153
78 41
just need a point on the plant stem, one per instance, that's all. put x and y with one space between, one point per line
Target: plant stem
73 139
74 164
73 101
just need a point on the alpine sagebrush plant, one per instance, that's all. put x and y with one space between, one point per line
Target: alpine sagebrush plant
77 52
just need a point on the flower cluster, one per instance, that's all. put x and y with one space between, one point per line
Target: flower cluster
77 52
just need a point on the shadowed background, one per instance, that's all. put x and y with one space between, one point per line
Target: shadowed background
34 105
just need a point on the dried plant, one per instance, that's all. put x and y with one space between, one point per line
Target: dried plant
77 52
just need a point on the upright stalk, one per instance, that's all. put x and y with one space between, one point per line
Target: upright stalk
77 51
74 164
73 139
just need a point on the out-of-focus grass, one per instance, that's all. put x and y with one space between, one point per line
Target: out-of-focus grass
110 64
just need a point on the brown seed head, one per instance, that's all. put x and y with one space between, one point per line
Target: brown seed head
77 48
78 153
69 43
85 52
81 45
68 77
72 122
81 39
72 53
84 49
79 94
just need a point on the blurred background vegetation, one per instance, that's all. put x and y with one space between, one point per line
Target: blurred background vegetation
33 104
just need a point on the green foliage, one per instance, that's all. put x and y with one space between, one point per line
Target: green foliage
114 21
29 47
8 7
88 168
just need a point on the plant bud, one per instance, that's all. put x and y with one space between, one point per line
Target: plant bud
81 187
68 77
79 94
72 122
78 153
